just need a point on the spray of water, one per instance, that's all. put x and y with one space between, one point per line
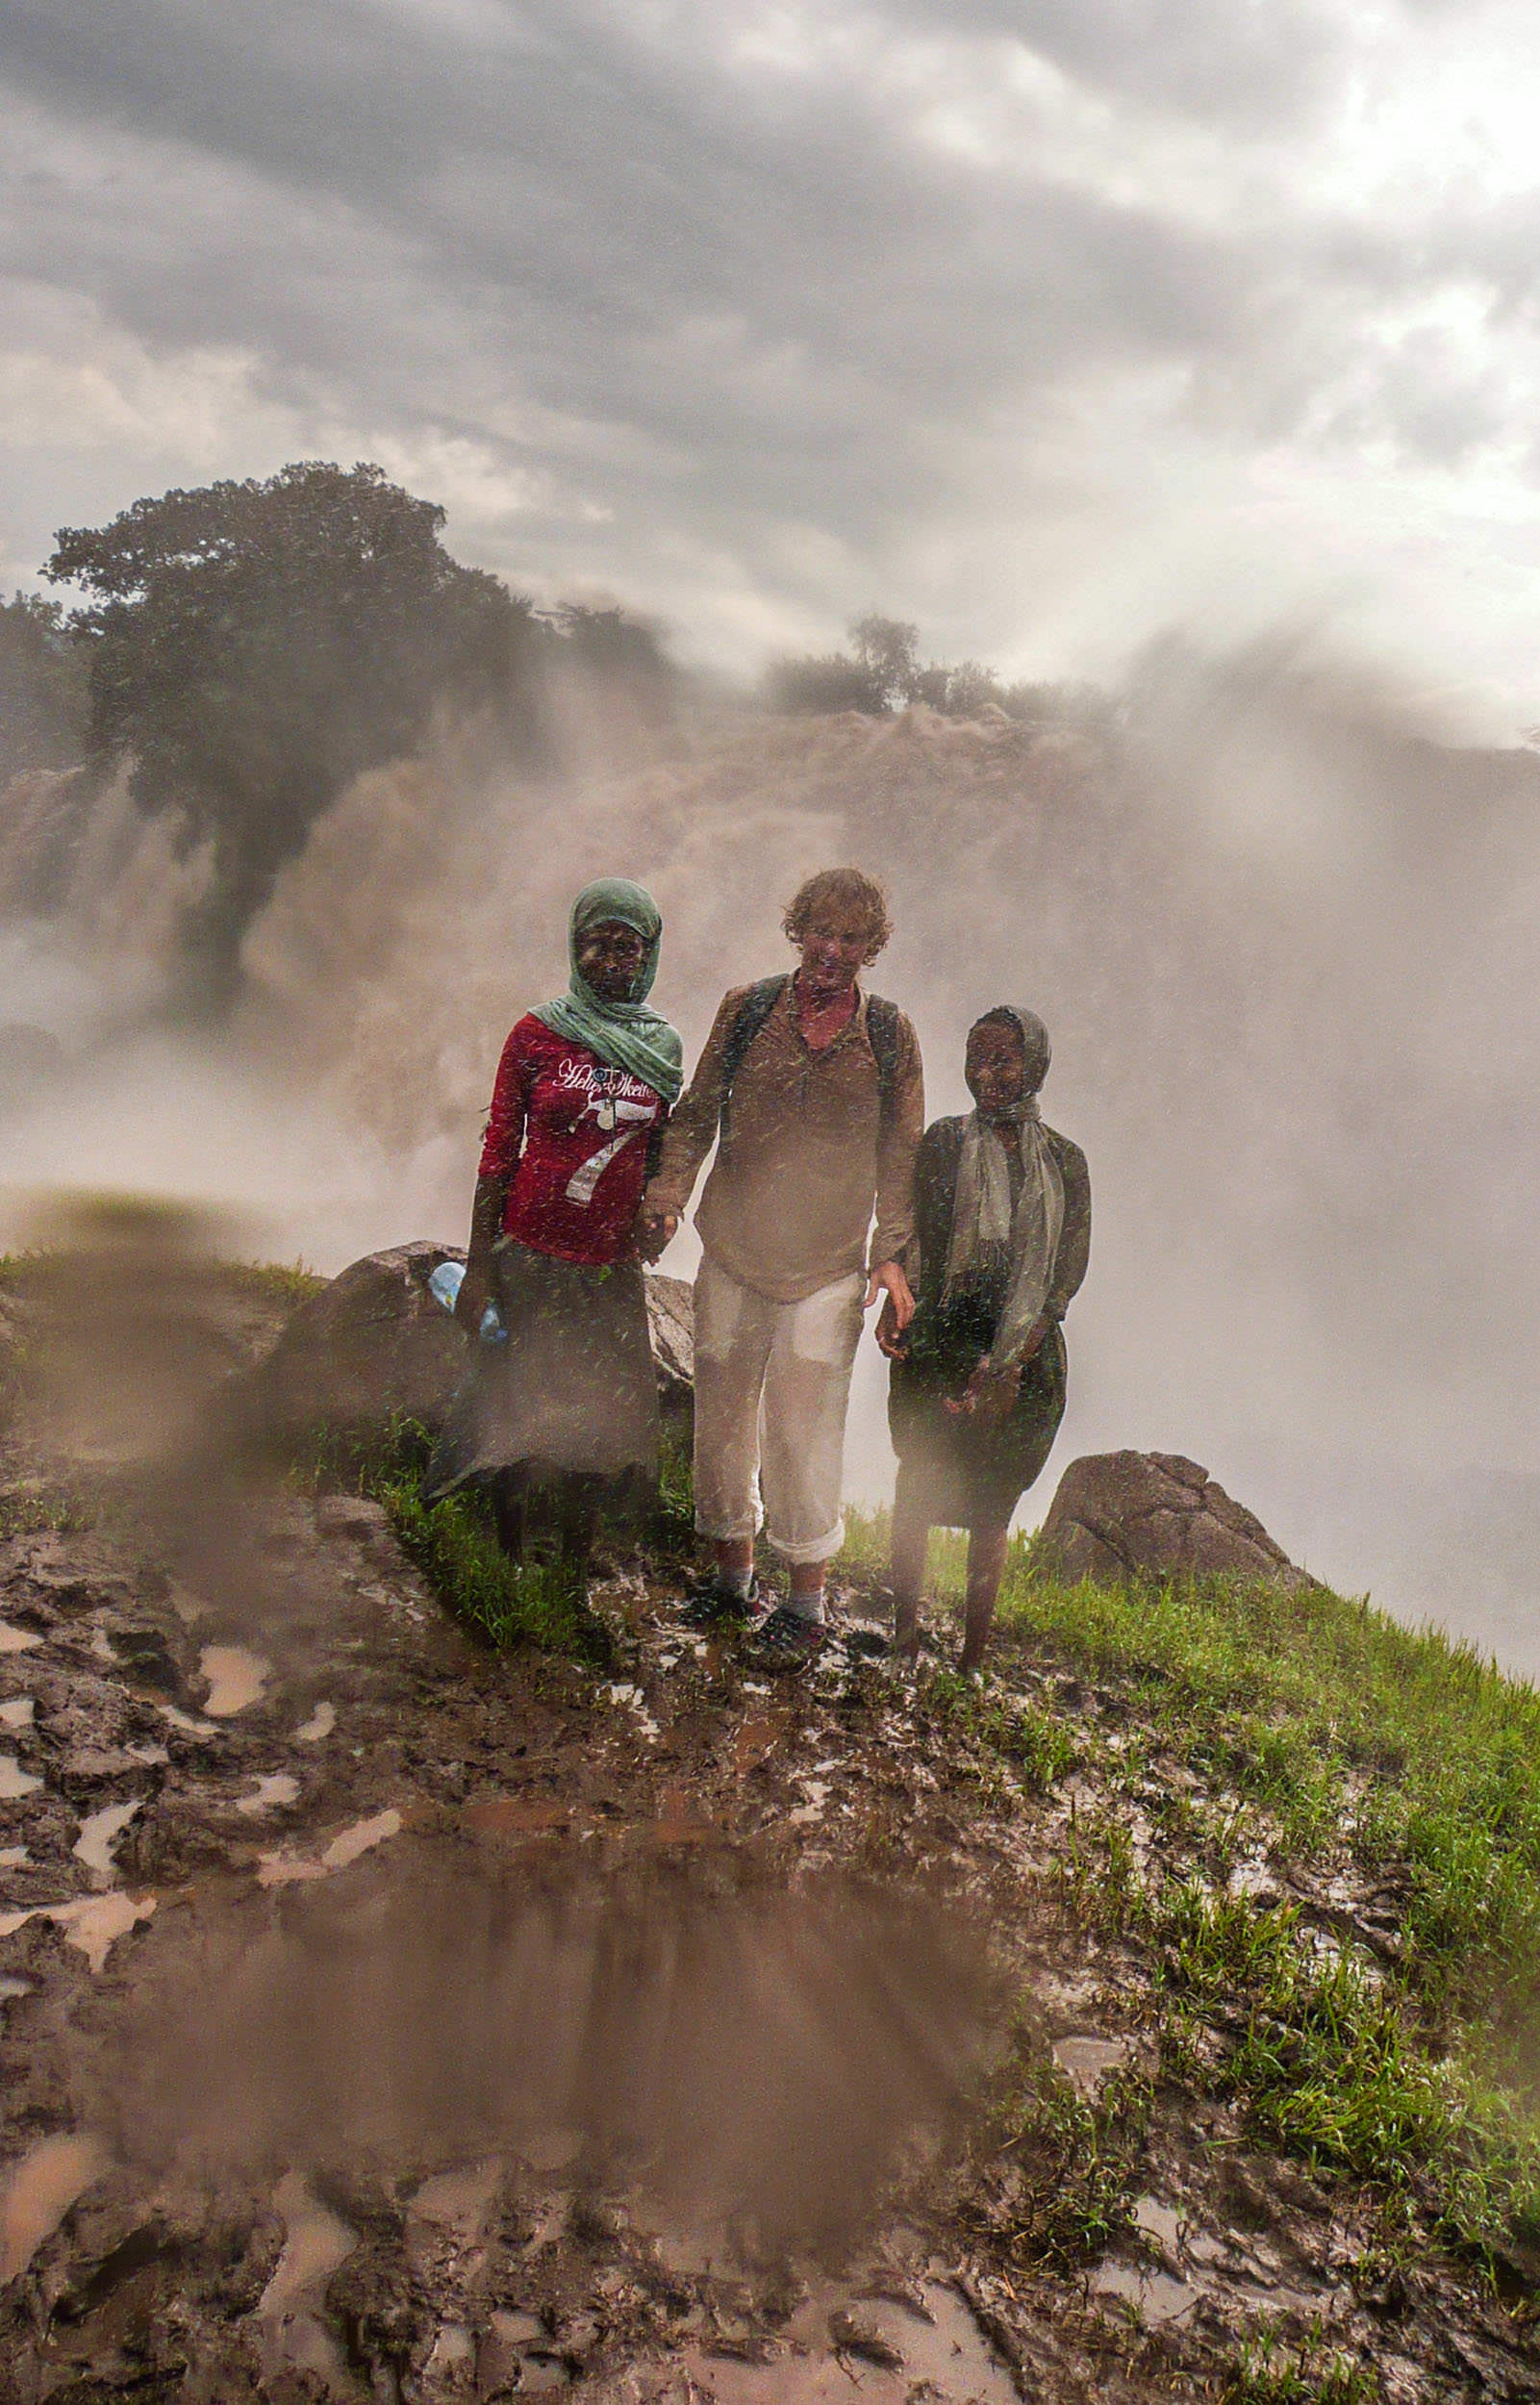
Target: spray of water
1286 944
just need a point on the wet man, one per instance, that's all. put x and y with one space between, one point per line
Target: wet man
817 1091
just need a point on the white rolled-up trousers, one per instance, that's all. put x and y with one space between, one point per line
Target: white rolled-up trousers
772 1388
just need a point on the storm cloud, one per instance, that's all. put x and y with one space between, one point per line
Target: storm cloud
1041 324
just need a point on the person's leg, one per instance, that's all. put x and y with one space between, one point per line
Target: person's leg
734 1329
807 1392
986 1567
510 1511
910 1532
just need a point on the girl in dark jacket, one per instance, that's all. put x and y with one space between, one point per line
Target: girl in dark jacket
1002 1214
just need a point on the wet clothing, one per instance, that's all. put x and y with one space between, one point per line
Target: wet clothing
630 1034
772 1383
585 1129
956 1471
806 1150
572 1390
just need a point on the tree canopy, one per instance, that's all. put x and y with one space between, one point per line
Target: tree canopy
253 647
883 672
43 689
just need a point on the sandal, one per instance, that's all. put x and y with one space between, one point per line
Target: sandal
788 1640
710 1605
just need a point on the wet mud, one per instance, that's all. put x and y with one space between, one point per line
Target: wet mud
384 2018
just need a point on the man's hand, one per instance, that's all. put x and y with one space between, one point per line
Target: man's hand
655 1232
888 1278
890 1338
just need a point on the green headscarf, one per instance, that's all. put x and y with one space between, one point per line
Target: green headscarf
628 1035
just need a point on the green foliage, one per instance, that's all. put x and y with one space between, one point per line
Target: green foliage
883 672
1076 2160
1266 2373
455 1545
43 689
285 1286
254 647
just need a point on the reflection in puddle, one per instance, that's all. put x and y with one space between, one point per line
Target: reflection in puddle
99 1832
1152 2297
461 2200
17 1641
41 2191
15 1781
93 1923
321 1724
281 1870
315 2244
187 1724
1085 2062
235 1679
273 1788
946 2358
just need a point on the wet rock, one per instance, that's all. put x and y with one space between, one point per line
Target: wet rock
1118 1515
375 1344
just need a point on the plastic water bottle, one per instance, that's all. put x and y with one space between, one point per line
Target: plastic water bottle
444 1287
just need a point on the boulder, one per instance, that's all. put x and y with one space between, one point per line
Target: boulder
375 1342
1121 1515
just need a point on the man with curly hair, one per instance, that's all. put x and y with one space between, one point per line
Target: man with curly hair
817 1093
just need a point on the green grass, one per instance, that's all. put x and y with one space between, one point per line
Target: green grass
454 1543
1266 2373
1325 1737
286 1285
510 1603
1073 2161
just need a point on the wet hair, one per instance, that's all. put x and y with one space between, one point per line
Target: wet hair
1033 1036
840 888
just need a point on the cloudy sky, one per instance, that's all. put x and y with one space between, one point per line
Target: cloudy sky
1045 323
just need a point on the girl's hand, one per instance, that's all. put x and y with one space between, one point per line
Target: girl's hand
988 1395
475 1293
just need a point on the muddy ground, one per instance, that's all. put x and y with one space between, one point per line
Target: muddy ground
385 2018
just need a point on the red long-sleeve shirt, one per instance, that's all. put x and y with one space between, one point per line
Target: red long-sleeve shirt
571 1134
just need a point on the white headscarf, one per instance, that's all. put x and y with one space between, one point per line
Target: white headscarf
983 1222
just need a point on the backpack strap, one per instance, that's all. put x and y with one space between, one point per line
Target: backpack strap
882 1034
752 1012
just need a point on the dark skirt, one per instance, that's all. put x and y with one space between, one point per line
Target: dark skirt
958 1472
572 1391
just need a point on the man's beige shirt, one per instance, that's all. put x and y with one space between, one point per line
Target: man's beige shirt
804 1157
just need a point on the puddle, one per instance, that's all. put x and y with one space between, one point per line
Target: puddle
273 1789
1085 2062
1160 2223
235 1679
93 1923
281 1870
185 1721
460 2200
321 1724
1152 2297
315 2244
17 1713
946 2359
12 1857
99 1832
11 1988
15 1781
41 2191
17 1641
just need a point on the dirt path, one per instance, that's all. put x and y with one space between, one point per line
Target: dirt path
385 2018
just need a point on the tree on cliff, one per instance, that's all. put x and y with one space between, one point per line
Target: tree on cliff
253 647
43 689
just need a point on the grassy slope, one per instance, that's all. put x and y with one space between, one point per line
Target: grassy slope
1308 1742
